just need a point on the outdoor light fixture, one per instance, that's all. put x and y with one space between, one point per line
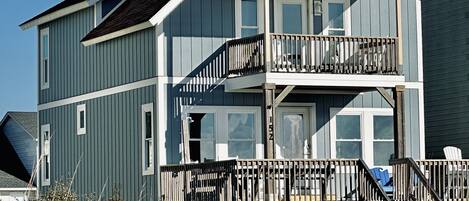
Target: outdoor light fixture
317 4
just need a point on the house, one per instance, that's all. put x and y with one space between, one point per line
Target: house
18 146
128 89
446 75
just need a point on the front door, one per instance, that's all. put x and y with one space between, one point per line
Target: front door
293 133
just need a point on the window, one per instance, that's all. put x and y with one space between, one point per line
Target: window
363 133
349 140
249 15
81 119
202 137
147 138
104 8
45 154
336 17
221 133
45 62
383 139
107 6
241 133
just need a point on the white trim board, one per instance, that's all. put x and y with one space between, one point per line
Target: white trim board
97 94
306 79
57 14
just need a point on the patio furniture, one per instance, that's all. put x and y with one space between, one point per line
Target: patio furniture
382 176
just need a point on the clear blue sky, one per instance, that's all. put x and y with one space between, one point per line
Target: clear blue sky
18 55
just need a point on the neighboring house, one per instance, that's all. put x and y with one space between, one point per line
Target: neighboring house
18 154
117 79
14 189
446 58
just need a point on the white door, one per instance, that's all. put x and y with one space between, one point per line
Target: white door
293 133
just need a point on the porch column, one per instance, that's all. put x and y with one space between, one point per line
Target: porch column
268 110
267 44
399 136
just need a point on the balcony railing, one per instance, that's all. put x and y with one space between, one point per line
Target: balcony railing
314 54
410 183
311 180
450 179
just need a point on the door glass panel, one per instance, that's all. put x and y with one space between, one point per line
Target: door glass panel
348 126
349 149
383 127
291 141
249 12
382 152
241 135
292 20
202 141
336 15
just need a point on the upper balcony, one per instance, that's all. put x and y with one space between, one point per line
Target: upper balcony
313 60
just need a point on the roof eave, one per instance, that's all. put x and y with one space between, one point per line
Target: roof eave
117 34
55 15
154 21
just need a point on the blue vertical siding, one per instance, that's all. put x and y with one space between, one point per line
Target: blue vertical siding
76 69
110 151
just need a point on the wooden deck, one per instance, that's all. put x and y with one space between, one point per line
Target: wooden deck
313 54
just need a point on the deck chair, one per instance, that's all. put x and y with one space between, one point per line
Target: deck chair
452 153
382 176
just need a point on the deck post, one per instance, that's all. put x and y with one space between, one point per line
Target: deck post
399 136
268 110
267 43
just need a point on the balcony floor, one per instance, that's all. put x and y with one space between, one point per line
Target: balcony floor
314 80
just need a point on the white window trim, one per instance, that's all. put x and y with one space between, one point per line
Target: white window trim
221 127
366 132
238 18
148 108
44 181
81 108
44 85
347 16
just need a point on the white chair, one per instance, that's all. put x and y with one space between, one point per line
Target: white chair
452 153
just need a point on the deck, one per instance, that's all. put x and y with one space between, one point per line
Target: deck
314 180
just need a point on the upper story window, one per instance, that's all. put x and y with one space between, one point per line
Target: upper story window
147 138
336 17
249 17
81 119
44 59
104 8
45 154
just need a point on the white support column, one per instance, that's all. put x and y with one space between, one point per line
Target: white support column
267 43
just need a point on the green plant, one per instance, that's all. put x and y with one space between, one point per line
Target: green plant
60 191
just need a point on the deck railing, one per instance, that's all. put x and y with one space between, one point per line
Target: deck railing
450 179
309 180
314 54
410 183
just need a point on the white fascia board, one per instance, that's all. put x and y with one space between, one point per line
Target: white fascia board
320 80
117 34
245 82
57 14
335 80
164 12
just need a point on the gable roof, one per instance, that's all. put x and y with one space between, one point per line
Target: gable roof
131 16
63 8
27 120
10 181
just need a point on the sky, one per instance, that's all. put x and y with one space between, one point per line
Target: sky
18 55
